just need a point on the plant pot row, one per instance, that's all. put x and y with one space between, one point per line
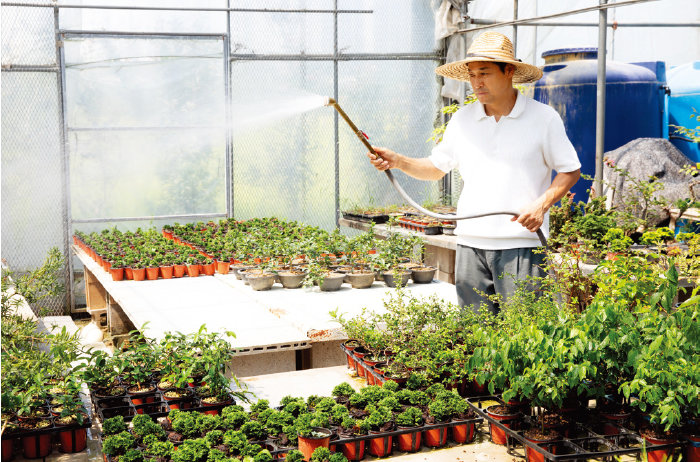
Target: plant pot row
36 437
382 444
585 432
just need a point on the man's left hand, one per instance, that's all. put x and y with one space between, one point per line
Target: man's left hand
531 217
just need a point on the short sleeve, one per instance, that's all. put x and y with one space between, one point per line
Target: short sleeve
444 155
559 154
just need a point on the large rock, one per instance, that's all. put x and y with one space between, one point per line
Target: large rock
642 158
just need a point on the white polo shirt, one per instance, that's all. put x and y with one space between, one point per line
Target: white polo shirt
506 165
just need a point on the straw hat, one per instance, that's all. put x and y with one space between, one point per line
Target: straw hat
493 47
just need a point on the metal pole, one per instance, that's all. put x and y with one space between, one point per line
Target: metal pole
600 102
65 164
336 138
229 121
515 27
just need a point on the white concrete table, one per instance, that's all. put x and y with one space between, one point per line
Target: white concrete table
275 329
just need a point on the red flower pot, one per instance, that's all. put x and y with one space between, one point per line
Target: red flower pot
209 269
152 273
692 451
479 390
611 418
166 272
36 447
223 267
435 437
463 433
380 446
307 445
73 440
179 271
193 270
658 455
8 447
139 274
218 403
117 274
498 436
354 450
409 442
535 456
128 273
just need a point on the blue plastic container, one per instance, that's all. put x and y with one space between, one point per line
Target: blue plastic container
684 83
634 102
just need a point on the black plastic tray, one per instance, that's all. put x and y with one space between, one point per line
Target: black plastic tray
587 444
376 218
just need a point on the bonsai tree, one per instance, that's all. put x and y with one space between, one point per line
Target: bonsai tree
160 450
411 417
118 445
343 391
380 418
113 425
294 455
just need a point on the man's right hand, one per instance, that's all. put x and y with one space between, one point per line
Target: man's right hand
387 158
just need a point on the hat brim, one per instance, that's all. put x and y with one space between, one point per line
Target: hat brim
459 70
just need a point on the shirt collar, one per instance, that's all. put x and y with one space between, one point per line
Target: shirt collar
518 108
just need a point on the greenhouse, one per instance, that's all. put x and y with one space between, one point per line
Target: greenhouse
472 225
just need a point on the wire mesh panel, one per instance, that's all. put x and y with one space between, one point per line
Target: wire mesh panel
28 36
32 217
146 126
283 141
395 103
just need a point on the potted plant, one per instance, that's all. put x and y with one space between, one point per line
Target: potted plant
349 428
380 420
117 445
311 437
412 417
192 262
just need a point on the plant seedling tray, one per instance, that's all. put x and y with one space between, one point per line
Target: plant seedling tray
366 217
584 444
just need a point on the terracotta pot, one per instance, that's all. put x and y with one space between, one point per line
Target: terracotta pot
179 271
435 437
223 267
209 269
536 456
498 436
463 433
193 270
307 445
658 455
380 446
166 272
128 274
139 274
117 274
409 442
354 450
152 273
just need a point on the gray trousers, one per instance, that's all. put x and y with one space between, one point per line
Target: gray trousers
493 272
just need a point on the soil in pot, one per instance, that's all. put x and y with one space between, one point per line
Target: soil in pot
652 438
292 279
390 280
75 439
423 274
507 416
262 281
332 282
178 398
320 437
544 439
219 401
360 280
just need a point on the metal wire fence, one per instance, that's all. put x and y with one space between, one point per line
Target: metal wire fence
184 115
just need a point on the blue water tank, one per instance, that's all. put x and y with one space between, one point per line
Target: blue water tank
634 105
684 101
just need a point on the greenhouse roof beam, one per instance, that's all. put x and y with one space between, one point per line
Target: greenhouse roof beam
340 57
165 8
520 22
140 35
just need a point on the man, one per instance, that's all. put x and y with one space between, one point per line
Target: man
505 146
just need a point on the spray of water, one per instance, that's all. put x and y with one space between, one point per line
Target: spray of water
273 109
